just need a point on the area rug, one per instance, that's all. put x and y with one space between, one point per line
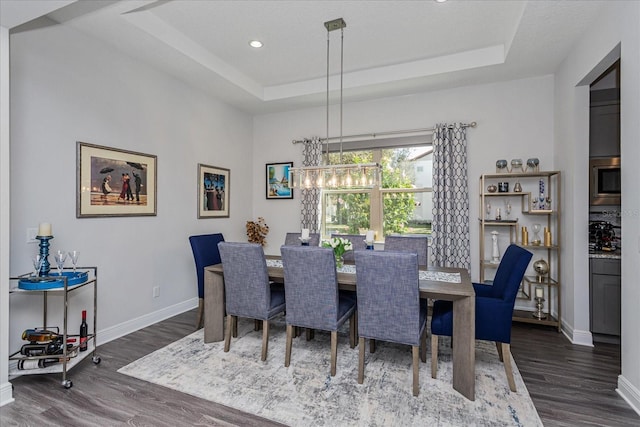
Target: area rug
306 395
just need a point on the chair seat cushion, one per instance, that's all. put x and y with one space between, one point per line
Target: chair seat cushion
442 319
346 306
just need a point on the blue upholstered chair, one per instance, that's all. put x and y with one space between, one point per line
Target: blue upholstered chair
313 298
293 239
357 241
414 243
494 310
205 252
389 304
247 289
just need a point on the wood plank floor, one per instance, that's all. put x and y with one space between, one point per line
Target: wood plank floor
570 386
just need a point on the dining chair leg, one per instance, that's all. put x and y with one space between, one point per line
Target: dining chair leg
361 361
372 346
256 324
415 350
506 353
310 334
334 351
434 355
200 316
287 351
265 339
352 330
235 326
227 338
499 348
423 346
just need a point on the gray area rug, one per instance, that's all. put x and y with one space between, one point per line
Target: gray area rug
306 395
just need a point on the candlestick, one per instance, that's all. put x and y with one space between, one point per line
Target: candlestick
539 292
44 253
368 240
305 233
44 229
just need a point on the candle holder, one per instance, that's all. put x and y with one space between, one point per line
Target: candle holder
539 313
44 253
368 245
304 242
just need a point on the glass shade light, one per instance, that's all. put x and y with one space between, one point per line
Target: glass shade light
362 175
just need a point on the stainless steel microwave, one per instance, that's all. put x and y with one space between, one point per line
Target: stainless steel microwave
604 183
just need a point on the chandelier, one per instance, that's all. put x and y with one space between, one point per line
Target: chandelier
355 175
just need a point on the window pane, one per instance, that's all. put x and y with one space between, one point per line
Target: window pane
407 213
407 167
346 213
349 157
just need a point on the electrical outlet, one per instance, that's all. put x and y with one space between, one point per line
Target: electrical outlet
31 235
156 291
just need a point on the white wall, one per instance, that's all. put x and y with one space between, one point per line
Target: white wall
619 25
67 88
515 120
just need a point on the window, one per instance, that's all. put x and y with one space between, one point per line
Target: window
401 206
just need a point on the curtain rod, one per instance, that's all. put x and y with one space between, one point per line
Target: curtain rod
374 135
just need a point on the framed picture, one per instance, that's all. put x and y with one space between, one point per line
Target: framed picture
213 192
114 182
277 181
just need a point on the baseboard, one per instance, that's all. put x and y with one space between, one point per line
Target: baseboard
6 393
117 331
629 393
577 336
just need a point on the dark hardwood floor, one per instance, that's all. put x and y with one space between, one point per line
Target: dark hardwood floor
570 386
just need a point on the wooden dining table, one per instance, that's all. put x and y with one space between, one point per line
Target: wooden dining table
462 295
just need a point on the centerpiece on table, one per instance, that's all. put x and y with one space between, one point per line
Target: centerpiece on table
340 246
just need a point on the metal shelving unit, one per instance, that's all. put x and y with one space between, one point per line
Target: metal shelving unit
548 217
71 355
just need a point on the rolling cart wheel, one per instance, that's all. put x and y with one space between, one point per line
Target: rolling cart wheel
96 360
67 384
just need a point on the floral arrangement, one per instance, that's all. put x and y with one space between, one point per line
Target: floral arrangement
339 245
257 231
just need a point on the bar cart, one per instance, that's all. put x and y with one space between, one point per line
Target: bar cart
34 359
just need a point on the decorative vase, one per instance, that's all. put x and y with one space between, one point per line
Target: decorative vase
339 261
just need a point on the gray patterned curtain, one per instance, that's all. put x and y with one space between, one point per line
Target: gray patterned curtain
311 156
450 228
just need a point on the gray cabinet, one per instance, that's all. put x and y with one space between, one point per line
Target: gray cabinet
604 300
604 130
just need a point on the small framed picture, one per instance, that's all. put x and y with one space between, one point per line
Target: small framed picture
213 192
277 181
114 182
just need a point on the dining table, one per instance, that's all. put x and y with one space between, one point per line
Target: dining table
443 283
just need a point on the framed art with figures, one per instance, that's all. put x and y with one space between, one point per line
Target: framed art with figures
114 182
213 192
277 181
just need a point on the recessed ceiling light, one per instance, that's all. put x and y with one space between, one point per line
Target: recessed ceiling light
255 43
440 1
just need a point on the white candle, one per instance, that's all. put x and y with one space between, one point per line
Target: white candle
305 233
539 292
44 229
369 237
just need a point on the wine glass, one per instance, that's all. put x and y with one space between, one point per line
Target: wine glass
74 258
61 257
488 209
507 207
37 261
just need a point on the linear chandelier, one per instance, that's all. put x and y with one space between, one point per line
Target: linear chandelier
355 175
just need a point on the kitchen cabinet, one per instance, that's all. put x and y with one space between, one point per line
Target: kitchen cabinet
604 301
536 204
604 123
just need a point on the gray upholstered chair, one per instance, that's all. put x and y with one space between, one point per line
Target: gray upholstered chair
414 243
293 239
389 304
357 241
313 298
247 289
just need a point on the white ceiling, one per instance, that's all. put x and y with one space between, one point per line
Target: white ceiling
390 47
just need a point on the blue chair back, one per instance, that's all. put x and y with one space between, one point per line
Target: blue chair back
357 241
389 306
246 281
512 267
293 239
205 252
311 287
417 244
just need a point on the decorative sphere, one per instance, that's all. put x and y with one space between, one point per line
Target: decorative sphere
492 189
541 267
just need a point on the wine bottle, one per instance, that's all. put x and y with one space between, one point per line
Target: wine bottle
83 331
